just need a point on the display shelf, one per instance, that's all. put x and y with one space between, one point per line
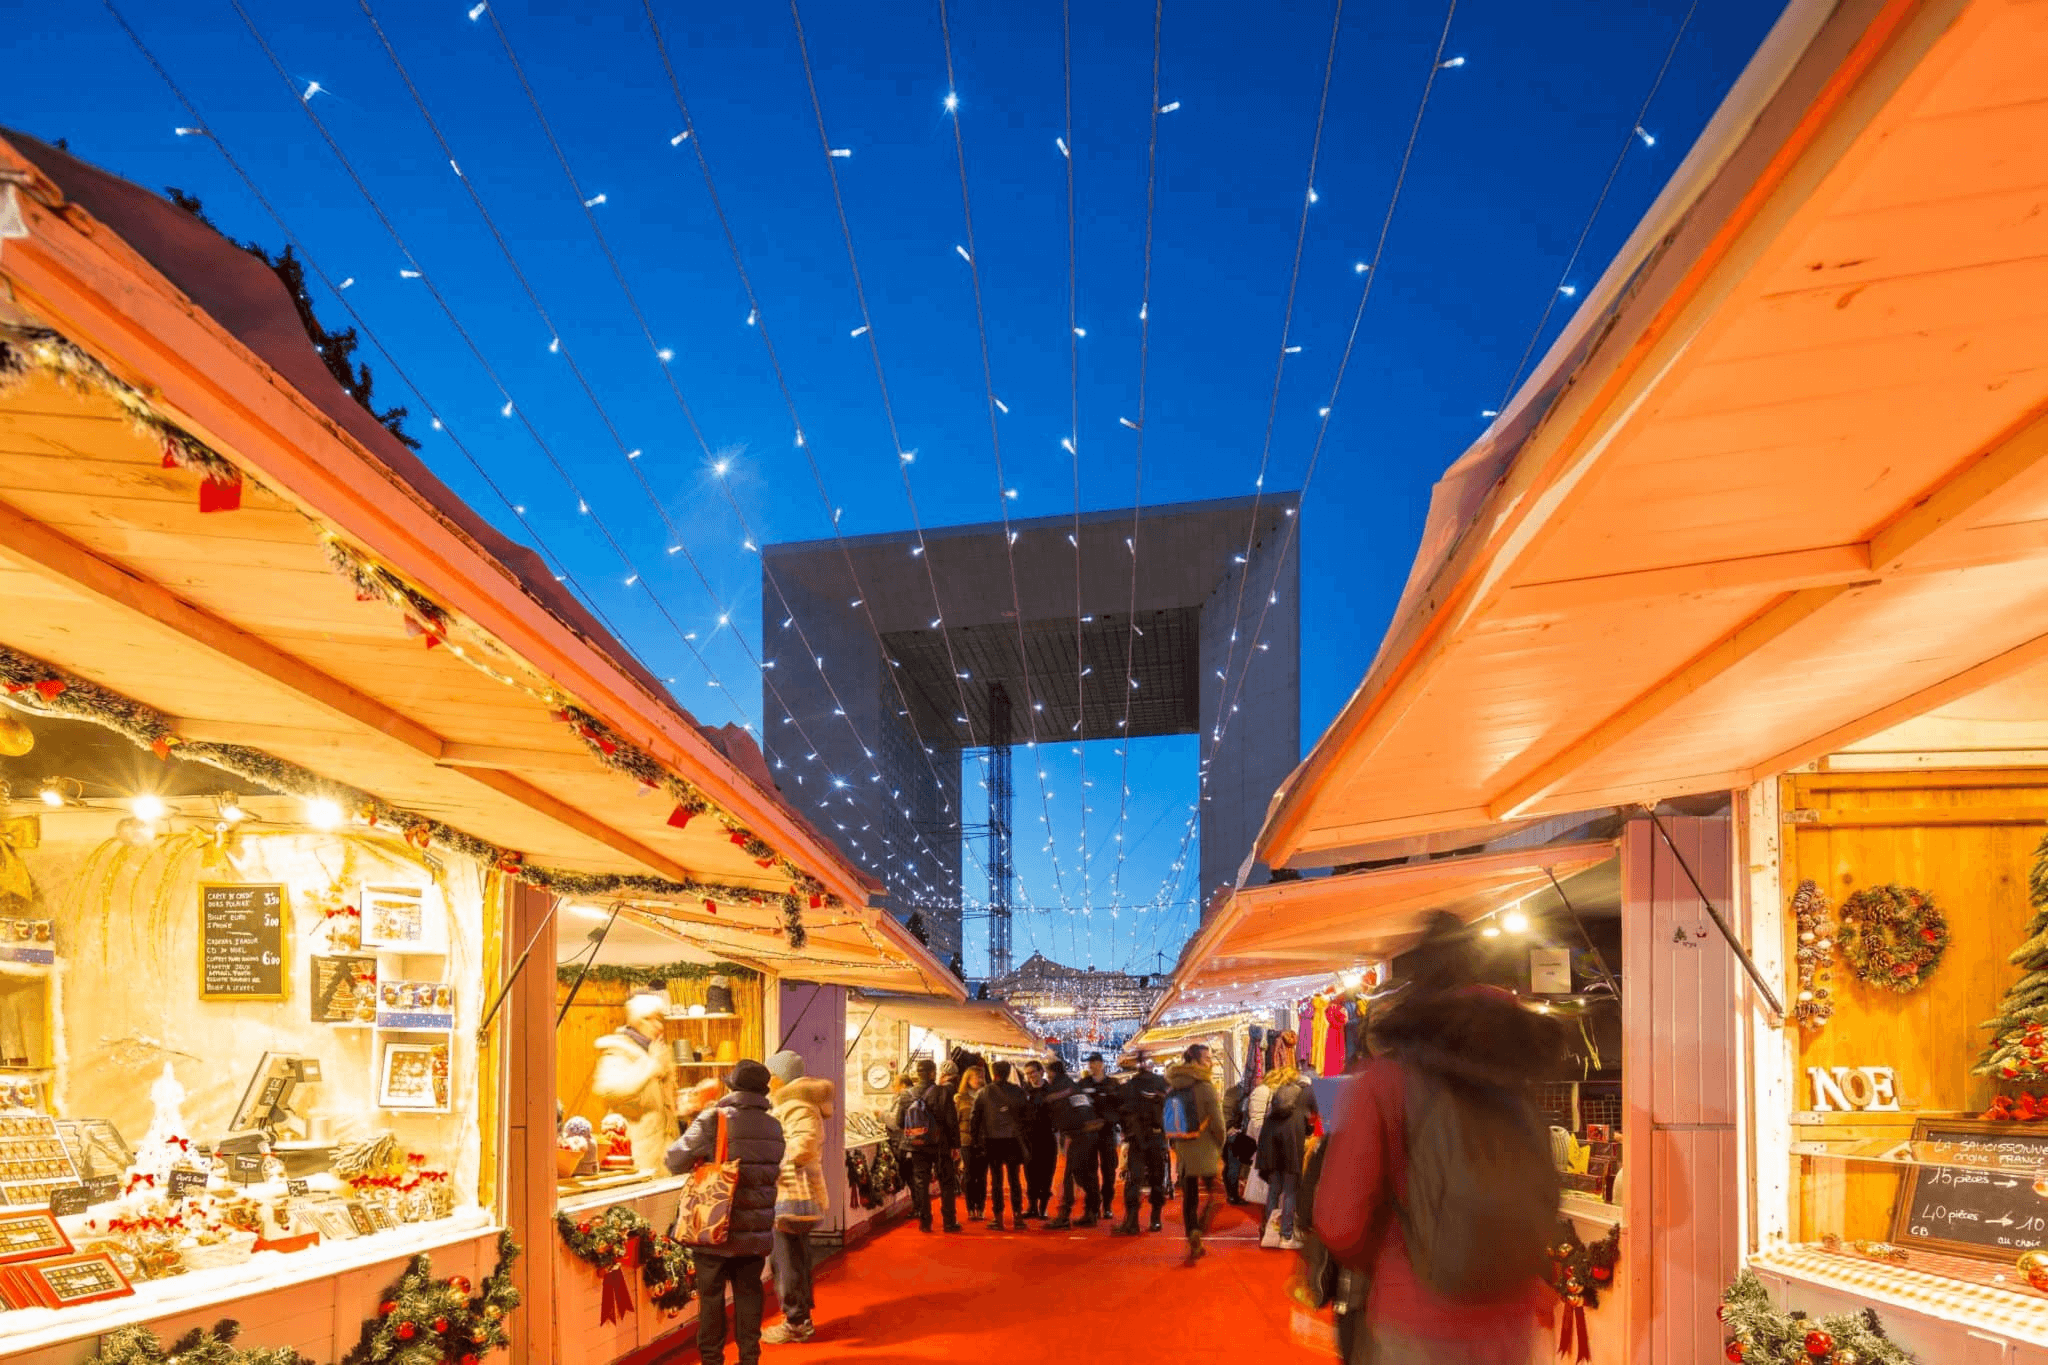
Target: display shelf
684 1014
695 1065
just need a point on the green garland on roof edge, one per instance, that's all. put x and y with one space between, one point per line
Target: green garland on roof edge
23 350
31 685
646 976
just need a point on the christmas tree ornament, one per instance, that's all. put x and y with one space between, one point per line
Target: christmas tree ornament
1819 1344
16 738
2034 1267
1845 1356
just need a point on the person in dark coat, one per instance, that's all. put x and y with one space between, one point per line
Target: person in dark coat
936 1155
1238 1149
1107 1095
1283 1145
1142 1105
753 1139
1075 1120
1201 1156
1041 1144
998 1130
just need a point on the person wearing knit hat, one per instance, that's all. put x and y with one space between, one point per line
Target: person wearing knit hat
754 1140
802 1104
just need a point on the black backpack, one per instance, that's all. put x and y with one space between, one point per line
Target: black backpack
1483 1190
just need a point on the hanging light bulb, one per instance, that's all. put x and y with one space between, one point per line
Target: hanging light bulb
148 806
1515 922
322 812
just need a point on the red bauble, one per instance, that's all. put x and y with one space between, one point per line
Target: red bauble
1602 1273
1735 1352
386 1308
440 1324
1819 1344
460 1283
469 1360
406 1331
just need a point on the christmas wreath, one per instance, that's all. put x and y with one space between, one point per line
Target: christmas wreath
1892 936
427 1321
1579 1274
1758 1334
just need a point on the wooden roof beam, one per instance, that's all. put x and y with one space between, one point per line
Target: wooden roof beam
55 554
1545 774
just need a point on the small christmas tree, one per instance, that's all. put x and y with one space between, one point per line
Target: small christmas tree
2019 1046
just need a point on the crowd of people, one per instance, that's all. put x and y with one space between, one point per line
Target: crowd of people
1422 1216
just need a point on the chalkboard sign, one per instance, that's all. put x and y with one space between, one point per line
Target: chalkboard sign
101 1189
184 1182
296 1187
1979 1200
242 935
67 1200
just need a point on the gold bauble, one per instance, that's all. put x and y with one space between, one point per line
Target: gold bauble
1845 1355
2034 1265
16 738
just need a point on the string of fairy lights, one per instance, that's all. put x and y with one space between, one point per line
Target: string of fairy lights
921 860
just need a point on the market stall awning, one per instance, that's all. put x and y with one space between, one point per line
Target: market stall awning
1165 1036
1279 941
969 1023
208 546
1782 484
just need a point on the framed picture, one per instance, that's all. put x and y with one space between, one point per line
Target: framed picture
79 1279
30 1236
344 989
413 1076
394 916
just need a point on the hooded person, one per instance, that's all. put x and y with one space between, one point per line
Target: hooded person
1282 1130
754 1140
1437 1183
801 1104
1193 1110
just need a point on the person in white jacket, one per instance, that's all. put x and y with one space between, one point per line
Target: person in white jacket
801 1104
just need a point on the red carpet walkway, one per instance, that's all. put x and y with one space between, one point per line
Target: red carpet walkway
1072 1297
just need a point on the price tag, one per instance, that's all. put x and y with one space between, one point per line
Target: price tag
102 1189
184 1182
245 1168
297 1187
68 1200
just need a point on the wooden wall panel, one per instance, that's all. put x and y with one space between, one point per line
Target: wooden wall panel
1969 838
1681 1000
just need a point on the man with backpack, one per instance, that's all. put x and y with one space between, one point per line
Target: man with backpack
1143 1106
998 1130
1041 1142
1074 1119
1193 1120
1438 1183
931 1136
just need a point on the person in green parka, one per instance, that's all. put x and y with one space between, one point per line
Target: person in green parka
1201 1156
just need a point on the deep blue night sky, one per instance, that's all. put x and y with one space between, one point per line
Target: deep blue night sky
1515 146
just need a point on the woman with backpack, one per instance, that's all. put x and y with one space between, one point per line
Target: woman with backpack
1282 1129
1193 1118
973 1157
1437 1182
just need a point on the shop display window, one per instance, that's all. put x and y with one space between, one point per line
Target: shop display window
1915 906
643 1043
237 1036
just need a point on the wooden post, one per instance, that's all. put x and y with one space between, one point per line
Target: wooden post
1681 1040
530 1111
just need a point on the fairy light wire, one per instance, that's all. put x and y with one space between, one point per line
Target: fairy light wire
511 407
696 144
869 331
1628 142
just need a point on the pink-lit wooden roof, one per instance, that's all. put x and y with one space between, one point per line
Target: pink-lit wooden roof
1280 940
1783 486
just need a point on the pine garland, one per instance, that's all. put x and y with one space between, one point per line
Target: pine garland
28 350
606 1241
1758 1334
200 1346
427 1321
1576 1268
39 688
648 976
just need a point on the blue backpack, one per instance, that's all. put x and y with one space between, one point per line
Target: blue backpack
917 1120
1178 1118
